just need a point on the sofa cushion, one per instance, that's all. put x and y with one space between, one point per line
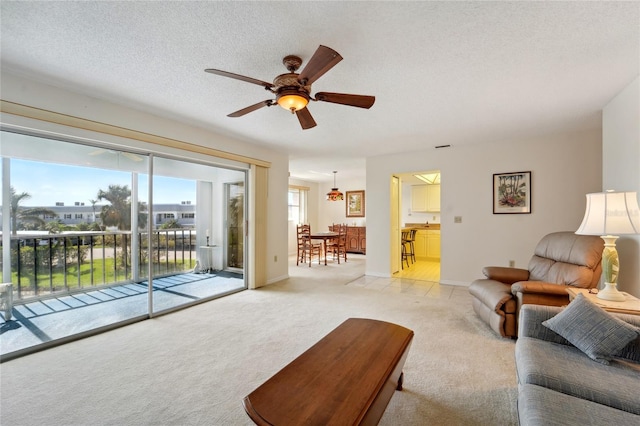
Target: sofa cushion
566 369
592 330
542 406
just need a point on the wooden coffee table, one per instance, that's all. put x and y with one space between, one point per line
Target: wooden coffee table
347 378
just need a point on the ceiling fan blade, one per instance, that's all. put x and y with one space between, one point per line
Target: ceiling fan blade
240 77
251 108
322 61
305 119
360 101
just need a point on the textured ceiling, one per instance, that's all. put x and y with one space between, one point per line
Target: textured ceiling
442 72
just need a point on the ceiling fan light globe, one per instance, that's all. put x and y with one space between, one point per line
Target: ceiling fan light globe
292 102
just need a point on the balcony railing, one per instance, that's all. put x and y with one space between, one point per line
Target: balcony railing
44 265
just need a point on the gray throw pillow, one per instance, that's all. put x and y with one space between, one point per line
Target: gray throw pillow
591 329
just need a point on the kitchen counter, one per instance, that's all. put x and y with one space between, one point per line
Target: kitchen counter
431 226
427 240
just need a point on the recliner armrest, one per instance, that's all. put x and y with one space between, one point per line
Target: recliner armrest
505 275
539 287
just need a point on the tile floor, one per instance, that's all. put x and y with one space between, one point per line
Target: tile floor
407 285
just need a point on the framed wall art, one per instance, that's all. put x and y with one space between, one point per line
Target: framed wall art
355 203
512 193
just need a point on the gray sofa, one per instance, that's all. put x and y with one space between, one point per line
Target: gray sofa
559 385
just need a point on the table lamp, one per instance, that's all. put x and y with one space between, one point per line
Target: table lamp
610 214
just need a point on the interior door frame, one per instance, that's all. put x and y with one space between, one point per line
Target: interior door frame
395 224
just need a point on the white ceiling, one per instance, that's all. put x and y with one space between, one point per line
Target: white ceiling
442 72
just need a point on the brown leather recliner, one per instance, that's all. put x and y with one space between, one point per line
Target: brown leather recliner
560 260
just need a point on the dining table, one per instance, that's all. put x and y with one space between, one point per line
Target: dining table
324 236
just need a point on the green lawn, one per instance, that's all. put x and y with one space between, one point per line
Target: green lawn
98 273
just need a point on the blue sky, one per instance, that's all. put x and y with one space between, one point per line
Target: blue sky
50 183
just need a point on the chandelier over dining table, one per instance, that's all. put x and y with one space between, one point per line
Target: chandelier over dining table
334 194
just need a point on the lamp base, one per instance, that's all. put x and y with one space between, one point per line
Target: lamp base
610 292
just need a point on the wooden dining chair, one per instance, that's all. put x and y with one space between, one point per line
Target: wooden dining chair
338 246
307 246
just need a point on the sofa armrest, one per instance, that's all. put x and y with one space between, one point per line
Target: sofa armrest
505 275
531 319
540 293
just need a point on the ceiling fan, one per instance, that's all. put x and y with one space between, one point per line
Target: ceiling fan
293 90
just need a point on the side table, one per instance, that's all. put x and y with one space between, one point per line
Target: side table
631 304
206 258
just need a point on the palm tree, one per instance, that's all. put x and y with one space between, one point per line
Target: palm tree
20 215
93 207
118 212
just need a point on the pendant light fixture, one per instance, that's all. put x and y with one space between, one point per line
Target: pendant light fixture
334 195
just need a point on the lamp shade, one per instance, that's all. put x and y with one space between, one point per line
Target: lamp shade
611 213
335 194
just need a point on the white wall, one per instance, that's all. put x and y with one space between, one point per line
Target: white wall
621 171
19 89
564 168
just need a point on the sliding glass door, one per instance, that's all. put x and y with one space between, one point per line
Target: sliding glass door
96 237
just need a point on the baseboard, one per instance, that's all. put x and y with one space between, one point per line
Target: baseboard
277 279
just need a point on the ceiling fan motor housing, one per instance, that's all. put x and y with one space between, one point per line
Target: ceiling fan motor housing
289 90
288 82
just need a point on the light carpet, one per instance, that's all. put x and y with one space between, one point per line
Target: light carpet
193 367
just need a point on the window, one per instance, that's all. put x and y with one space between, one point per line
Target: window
188 215
67 215
169 216
298 204
78 215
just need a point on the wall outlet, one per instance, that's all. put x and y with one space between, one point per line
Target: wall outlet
512 263
457 219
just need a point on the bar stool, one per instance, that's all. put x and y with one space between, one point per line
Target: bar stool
411 240
405 247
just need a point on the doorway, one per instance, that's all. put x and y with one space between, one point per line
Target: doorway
418 198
